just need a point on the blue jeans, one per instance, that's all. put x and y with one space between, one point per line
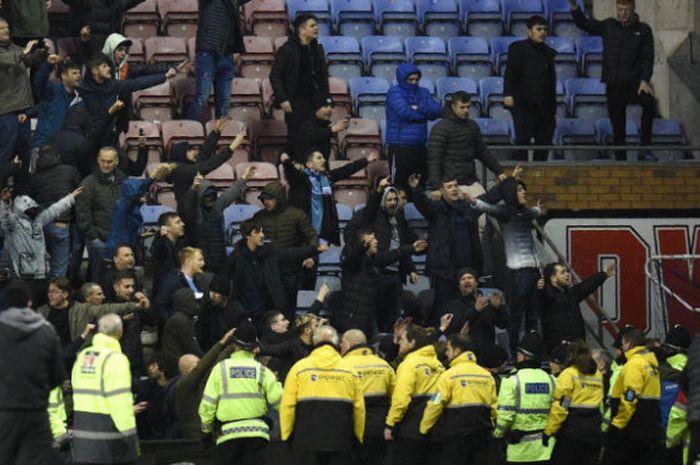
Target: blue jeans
58 245
15 139
96 250
217 70
523 285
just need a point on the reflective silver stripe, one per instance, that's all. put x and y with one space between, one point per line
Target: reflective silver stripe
95 392
102 370
517 392
648 397
376 365
582 406
470 375
470 404
337 370
245 429
261 370
326 399
116 392
242 395
224 376
531 437
102 435
533 410
275 404
507 408
211 400
54 404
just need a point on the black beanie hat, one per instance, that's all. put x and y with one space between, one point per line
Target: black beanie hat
531 345
466 270
678 338
560 353
322 100
220 284
491 355
246 335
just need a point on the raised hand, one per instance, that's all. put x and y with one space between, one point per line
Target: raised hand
413 277
222 123
372 157
286 106
383 184
518 171
170 73
284 158
226 337
481 303
420 246
445 321
118 105
495 300
77 192
197 181
53 59
414 180
249 172
610 270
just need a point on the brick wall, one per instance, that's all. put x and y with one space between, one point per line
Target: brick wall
614 186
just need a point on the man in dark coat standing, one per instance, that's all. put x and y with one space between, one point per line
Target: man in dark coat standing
628 63
31 366
299 73
558 303
530 89
318 130
179 334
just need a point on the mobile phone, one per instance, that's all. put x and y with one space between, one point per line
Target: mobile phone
141 132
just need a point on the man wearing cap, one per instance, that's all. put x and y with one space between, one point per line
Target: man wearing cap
237 397
524 403
317 131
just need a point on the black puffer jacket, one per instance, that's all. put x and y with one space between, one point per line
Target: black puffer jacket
218 29
284 76
93 209
179 334
560 310
52 181
628 50
103 16
530 74
453 146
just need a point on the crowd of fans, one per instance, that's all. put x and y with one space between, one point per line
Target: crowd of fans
211 345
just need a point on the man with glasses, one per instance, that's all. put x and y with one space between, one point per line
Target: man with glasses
530 89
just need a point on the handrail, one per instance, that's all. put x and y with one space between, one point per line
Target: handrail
663 286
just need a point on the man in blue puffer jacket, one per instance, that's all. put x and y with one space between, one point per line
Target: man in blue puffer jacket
408 110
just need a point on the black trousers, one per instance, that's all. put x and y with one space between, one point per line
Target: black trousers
291 282
26 437
445 291
388 300
243 451
533 121
302 111
620 450
372 451
346 457
403 451
470 450
621 95
404 161
570 451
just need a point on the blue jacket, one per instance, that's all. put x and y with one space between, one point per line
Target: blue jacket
54 103
126 216
408 110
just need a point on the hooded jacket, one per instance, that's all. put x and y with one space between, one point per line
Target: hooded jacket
409 107
300 194
179 334
453 146
286 226
31 364
127 220
16 90
206 224
628 50
284 76
94 207
24 234
52 181
515 221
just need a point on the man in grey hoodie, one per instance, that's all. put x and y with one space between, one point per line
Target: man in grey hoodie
31 366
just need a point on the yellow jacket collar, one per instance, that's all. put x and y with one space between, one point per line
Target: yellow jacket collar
635 350
425 351
464 357
102 340
359 352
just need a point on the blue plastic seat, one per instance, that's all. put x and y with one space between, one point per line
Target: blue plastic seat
517 12
574 131
481 18
320 8
396 18
494 131
368 96
440 18
586 98
238 213
353 18
429 54
499 52
565 62
604 131
151 213
589 50
344 213
382 55
343 56
469 57
562 109
669 132
561 22
491 94
329 261
449 85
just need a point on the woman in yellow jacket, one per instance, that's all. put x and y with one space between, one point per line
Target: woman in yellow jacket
575 415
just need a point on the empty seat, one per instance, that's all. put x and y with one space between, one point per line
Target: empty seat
482 18
494 131
565 61
562 108
669 132
269 139
368 96
137 54
382 55
344 213
343 56
517 12
353 18
320 8
142 20
429 54
469 57
499 52
586 98
264 173
449 85
561 22
222 176
165 49
267 18
246 100
574 131
350 196
256 61
155 103
238 213
362 137
182 130
396 18
179 17
604 131
440 18
491 93
329 261
339 92
589 50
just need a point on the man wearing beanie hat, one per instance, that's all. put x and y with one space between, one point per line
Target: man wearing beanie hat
237 397
318 131
524 403
31 366
217 311
179 334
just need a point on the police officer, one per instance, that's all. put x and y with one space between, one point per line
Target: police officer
236 397
104 425
636 417
323 408
377 382
416 382
524 403
468 392
575 415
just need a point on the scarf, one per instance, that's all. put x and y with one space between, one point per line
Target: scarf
320 186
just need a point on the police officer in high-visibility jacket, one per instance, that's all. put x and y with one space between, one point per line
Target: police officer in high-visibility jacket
104 425
466 400
237 396
524 403
377 382
416 382
323 408
575 416
677 432
635 427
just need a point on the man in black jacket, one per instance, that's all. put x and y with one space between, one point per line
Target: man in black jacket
628 63
558 303
218 38
298 73
179 334
31 366
530 89
317 130
166 247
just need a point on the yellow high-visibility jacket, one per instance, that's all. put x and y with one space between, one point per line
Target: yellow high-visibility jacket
57 415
